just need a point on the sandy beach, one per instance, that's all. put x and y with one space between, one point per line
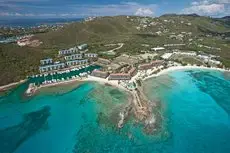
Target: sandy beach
175 68
87 79
104 81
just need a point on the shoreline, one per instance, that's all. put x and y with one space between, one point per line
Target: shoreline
11 85
141 107
87 79
114 83
176 68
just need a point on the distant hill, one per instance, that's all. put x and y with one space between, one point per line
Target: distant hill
97 30
225 20
107 29
226 17
192 15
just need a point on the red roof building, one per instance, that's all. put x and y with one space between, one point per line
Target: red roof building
119 76
151 65
100 74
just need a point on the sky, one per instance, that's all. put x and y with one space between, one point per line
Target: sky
85 8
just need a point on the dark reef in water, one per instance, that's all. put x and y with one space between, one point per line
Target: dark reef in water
213 86
99 140
13 137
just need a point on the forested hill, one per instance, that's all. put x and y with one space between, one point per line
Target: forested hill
18 62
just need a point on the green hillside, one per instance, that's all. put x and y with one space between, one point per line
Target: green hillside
18 62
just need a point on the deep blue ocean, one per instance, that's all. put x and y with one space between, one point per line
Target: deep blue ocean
194 107
30 22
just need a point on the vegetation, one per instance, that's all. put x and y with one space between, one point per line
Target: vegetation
18 62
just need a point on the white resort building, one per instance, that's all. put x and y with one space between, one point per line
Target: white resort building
68 51
46 61
52 67
73 57
90 55
158 49
83 46
65 52
76 62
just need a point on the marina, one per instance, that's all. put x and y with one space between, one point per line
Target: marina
60 76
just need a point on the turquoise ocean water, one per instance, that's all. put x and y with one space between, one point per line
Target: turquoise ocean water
195 107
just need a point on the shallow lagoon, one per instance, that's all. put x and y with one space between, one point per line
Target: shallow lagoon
195 107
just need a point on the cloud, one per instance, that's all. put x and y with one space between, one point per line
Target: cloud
208 7
77 10
205 9
144 12
125 8
224 1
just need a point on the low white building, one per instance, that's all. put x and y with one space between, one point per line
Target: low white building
83 46
186 53
23 42
46 61
158 32
73 57
53 67
76 62
91 55
214 62
157 48
171 45
166 55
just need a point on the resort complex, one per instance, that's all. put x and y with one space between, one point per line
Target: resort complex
126 84
78 62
